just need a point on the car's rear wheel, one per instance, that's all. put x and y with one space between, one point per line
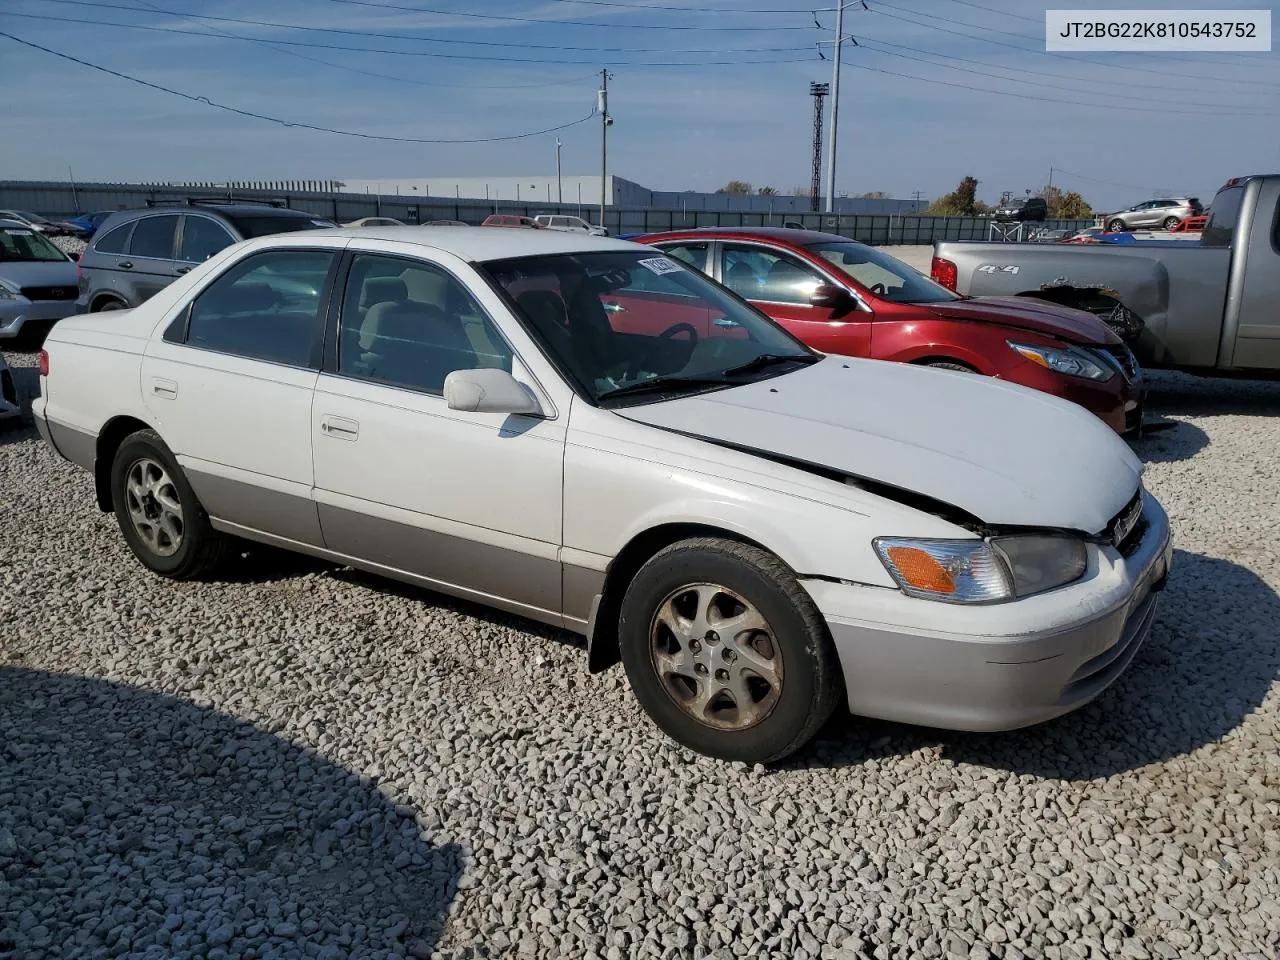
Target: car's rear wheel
949 365
106 305
1171 222
1115 226
727 652
159 515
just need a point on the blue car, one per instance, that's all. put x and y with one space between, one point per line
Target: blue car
87 224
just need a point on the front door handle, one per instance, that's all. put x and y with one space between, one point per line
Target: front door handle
340 428
164 388
614 308
125 264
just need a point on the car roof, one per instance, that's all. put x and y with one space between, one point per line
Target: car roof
226 209
790 235
478 244
13 224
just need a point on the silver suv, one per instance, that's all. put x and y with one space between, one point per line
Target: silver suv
1152 214
137 253
555 221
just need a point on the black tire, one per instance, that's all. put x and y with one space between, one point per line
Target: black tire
1171 222
948 365
811 682
1116 226
110 305
200 548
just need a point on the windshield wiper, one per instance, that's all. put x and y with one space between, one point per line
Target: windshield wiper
769 360
663 385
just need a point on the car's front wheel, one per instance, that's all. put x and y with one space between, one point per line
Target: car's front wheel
1171 222
1115 226
159 515
727 652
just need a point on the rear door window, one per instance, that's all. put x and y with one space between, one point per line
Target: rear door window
153 237
1224 212
266 307
116 240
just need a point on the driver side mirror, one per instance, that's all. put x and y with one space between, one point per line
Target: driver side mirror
830 296
489 390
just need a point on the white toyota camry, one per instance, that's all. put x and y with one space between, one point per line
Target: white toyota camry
587 433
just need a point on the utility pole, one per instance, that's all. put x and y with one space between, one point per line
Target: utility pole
605 121
916 195
835 109
559 182
818 91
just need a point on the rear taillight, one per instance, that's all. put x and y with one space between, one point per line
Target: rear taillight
944 272
44 363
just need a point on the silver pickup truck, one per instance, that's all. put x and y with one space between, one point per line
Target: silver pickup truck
1210 307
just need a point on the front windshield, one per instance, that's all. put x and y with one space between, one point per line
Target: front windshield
23 245
640 325
885 276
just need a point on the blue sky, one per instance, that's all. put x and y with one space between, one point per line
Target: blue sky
1140 123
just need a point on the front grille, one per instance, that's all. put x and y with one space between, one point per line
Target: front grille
1122 359
67 292
1127 540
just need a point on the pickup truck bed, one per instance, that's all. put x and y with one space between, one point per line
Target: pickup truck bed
1211 306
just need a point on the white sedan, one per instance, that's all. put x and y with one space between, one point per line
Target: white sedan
587 433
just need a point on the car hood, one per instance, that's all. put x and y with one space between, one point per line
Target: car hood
1027 313
55 273
1005 454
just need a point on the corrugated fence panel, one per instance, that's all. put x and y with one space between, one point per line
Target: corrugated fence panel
61 199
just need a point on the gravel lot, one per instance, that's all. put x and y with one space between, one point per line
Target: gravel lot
301 761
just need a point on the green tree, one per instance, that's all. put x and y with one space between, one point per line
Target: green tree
736 186
874 195
1065 206
767 192
960 202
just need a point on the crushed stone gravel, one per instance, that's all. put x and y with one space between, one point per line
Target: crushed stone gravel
298 760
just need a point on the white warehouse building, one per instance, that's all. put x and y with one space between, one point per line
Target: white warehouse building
536 189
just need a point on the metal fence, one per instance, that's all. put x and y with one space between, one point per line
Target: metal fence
62 199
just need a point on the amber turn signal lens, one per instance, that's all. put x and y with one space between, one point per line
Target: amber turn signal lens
920 570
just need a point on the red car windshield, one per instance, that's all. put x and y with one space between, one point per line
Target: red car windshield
885 276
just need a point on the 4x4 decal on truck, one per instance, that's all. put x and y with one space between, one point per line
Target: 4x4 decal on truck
999 268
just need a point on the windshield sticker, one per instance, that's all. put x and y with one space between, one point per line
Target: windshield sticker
18 233
661 265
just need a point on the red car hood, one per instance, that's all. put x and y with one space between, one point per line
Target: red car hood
1025 313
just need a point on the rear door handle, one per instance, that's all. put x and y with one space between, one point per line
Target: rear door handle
164 388
340 428
125 264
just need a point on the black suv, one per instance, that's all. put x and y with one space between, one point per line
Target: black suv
136 253
1023 208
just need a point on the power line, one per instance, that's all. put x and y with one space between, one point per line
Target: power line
1019 96
569 23
287 123
1111 66
398 53
210 32
666 8
245 21
1108 183
1215 108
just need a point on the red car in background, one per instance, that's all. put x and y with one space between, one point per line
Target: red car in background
844 297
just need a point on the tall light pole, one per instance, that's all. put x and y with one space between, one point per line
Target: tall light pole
559 182
605 121
835 109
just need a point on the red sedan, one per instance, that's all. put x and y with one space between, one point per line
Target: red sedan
843 297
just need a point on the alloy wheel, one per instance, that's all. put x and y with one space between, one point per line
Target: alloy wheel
716 656
154 507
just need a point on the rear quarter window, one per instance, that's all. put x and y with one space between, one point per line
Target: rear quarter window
1224 213
116 240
